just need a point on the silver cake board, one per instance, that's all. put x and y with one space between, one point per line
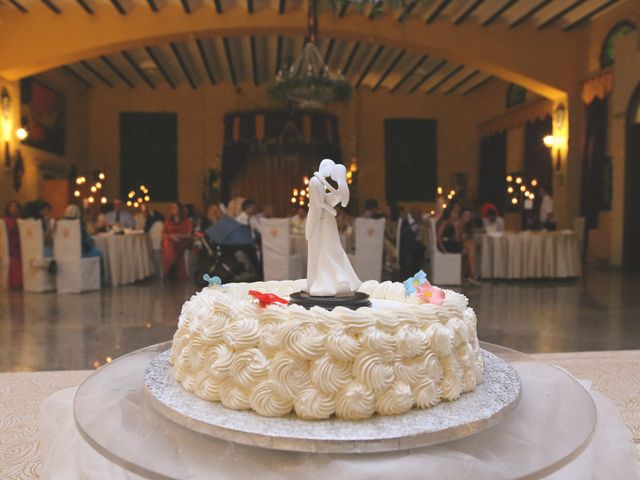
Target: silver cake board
473 412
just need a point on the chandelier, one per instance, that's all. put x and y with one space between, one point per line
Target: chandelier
308 82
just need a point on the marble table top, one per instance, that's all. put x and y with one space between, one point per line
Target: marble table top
613 373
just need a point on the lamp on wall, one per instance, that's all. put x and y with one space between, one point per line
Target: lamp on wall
5 104
18 168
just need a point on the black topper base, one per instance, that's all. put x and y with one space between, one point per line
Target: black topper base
353 301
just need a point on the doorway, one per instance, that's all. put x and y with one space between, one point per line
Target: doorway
631 258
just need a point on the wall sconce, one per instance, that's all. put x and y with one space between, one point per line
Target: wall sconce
5 102
22 134
549 141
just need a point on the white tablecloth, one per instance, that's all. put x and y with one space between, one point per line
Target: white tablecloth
126 258
530 255
66 455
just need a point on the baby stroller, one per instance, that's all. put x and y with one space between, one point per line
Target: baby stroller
223 245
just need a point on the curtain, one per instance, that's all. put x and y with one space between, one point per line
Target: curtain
267 153
537 157
493 169
593 161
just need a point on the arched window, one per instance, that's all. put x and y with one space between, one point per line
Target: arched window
516 95
619 30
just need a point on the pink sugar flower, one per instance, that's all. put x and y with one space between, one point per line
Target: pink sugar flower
430 294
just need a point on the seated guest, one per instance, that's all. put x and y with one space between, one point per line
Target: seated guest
140 217
371 209
391 240
455 235
449 235
469 229
48 226
119 216
214 214
492 221
547 220
234 207
248 217
176 238
89 249
299 221
11 215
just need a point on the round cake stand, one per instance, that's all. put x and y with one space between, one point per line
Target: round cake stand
550 426
473 412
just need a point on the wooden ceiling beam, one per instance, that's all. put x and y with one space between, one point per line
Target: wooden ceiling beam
498 13
468 11
409 73
112 66
161 68
229 57
589 15
141 73
437 11
369 65
464 80
530 13
205 61
96 73
429 75
558 15
183 65
444 79
389 69
77 76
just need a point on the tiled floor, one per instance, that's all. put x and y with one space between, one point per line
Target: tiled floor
63 332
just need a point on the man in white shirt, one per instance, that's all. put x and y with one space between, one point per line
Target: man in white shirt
546 210
119 216
248 217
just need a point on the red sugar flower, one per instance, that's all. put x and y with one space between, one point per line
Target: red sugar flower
267 299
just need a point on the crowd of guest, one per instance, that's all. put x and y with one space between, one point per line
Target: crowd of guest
237 226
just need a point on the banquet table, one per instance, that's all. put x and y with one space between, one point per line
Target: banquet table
127 258
530 255
612 373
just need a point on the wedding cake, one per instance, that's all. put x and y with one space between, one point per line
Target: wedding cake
245 346
329 344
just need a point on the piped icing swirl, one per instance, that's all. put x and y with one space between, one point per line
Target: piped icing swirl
386 359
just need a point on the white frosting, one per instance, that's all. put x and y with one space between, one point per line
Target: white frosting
387 358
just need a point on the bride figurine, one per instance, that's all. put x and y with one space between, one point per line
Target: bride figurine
329 272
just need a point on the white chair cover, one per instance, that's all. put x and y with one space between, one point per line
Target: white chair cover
75 274
155 232
35 277
367 261
579 229
278 261
446 268
4 256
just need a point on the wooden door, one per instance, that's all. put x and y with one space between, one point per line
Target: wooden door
632 199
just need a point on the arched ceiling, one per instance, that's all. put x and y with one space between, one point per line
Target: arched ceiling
433 45
255 59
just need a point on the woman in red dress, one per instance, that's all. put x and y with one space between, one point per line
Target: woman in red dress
176 238
11 214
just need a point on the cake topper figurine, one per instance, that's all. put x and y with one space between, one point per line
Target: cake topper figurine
329 272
